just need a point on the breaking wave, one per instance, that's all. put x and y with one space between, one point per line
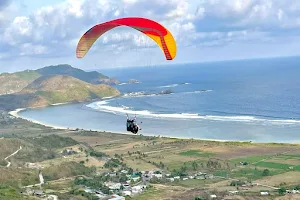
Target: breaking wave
173 85
104 107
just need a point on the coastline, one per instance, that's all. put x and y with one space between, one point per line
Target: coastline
15 113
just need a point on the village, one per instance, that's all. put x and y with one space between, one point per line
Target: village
118 181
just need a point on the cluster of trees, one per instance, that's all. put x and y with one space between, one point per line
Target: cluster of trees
95 183
97 154
266 172
112 163
237 183
213 164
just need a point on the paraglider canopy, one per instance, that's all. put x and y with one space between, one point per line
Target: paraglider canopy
152 29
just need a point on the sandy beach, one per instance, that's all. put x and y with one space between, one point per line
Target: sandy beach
15 114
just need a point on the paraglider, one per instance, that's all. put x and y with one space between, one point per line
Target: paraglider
152 29
132 126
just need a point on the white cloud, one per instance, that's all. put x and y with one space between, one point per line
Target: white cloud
54 31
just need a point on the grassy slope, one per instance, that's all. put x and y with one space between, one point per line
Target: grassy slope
15 82
60 89
64 69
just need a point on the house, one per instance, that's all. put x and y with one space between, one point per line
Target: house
170 179
213 196
29 191
52 197
68 152
126 193
125 185
113 174
184 179
233 192
159 176
176 177
209 176
191 177
135 179
200 177
168 175
39 193
264 193
116 197
292 191
146 178
114 186
124 172
137 189
88 190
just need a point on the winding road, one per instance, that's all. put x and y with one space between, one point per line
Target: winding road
9 163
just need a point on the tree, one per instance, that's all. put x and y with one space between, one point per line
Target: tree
282 191
195 165
266 172
198 198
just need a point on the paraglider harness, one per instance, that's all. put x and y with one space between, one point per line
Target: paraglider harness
132 126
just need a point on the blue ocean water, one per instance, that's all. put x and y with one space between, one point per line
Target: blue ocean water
257 100
251 89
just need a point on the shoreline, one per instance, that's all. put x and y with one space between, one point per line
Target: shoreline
14 113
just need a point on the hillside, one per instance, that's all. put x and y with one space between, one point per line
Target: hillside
15 82
90 77
60 89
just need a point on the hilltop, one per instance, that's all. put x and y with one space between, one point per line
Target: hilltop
15 82
59 89
47 90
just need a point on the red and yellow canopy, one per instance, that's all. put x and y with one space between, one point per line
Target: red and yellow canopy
152 29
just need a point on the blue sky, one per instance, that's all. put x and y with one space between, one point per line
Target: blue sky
37 33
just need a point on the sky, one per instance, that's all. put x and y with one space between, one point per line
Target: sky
40 33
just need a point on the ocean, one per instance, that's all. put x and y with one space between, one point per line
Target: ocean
247 100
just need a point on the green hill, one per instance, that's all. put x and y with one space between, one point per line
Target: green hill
65 69
61 89
15 82
47 90
11 83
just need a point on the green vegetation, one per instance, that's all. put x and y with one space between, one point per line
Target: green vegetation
249 159
53 141
266 172
247 173
274 165
64 69
15 177
282 191
95 183
50 85
197 153
82 193
8 192
67 169
112 163
97 154
27 75
61 89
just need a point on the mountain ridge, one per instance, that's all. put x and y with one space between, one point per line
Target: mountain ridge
14 82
